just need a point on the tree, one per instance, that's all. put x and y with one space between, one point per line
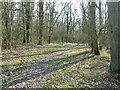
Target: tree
0 29
93 33
53 18
7 20
41 17
85 23
27 12
100 22
28 20
69 18
114 24
23 22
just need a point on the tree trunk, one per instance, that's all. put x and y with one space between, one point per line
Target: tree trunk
49 38
69 12
27 21
23 22
51 18
93 29
41 17
0 29
7 20
100 23
114 22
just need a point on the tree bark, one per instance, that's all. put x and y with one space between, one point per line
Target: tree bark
51 18
0 29
100 23
50 35
7 23
69 12
41 17
94 42
114 24
23 22
27 21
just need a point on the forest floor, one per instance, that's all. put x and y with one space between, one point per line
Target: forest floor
56 66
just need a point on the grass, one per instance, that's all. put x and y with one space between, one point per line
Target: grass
74 68
27 58
70 76
8 66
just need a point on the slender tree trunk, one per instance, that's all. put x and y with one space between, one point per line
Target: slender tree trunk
93 29
67 29
0 29
49 38
23 22
7 21
100 23
41 17
51 18
69 12
28 21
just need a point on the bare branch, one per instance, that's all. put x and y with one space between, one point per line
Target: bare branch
59 14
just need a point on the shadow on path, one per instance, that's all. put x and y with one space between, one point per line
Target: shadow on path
46 52
42 68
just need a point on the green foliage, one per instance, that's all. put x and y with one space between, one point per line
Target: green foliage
72 84
6 68
27 59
